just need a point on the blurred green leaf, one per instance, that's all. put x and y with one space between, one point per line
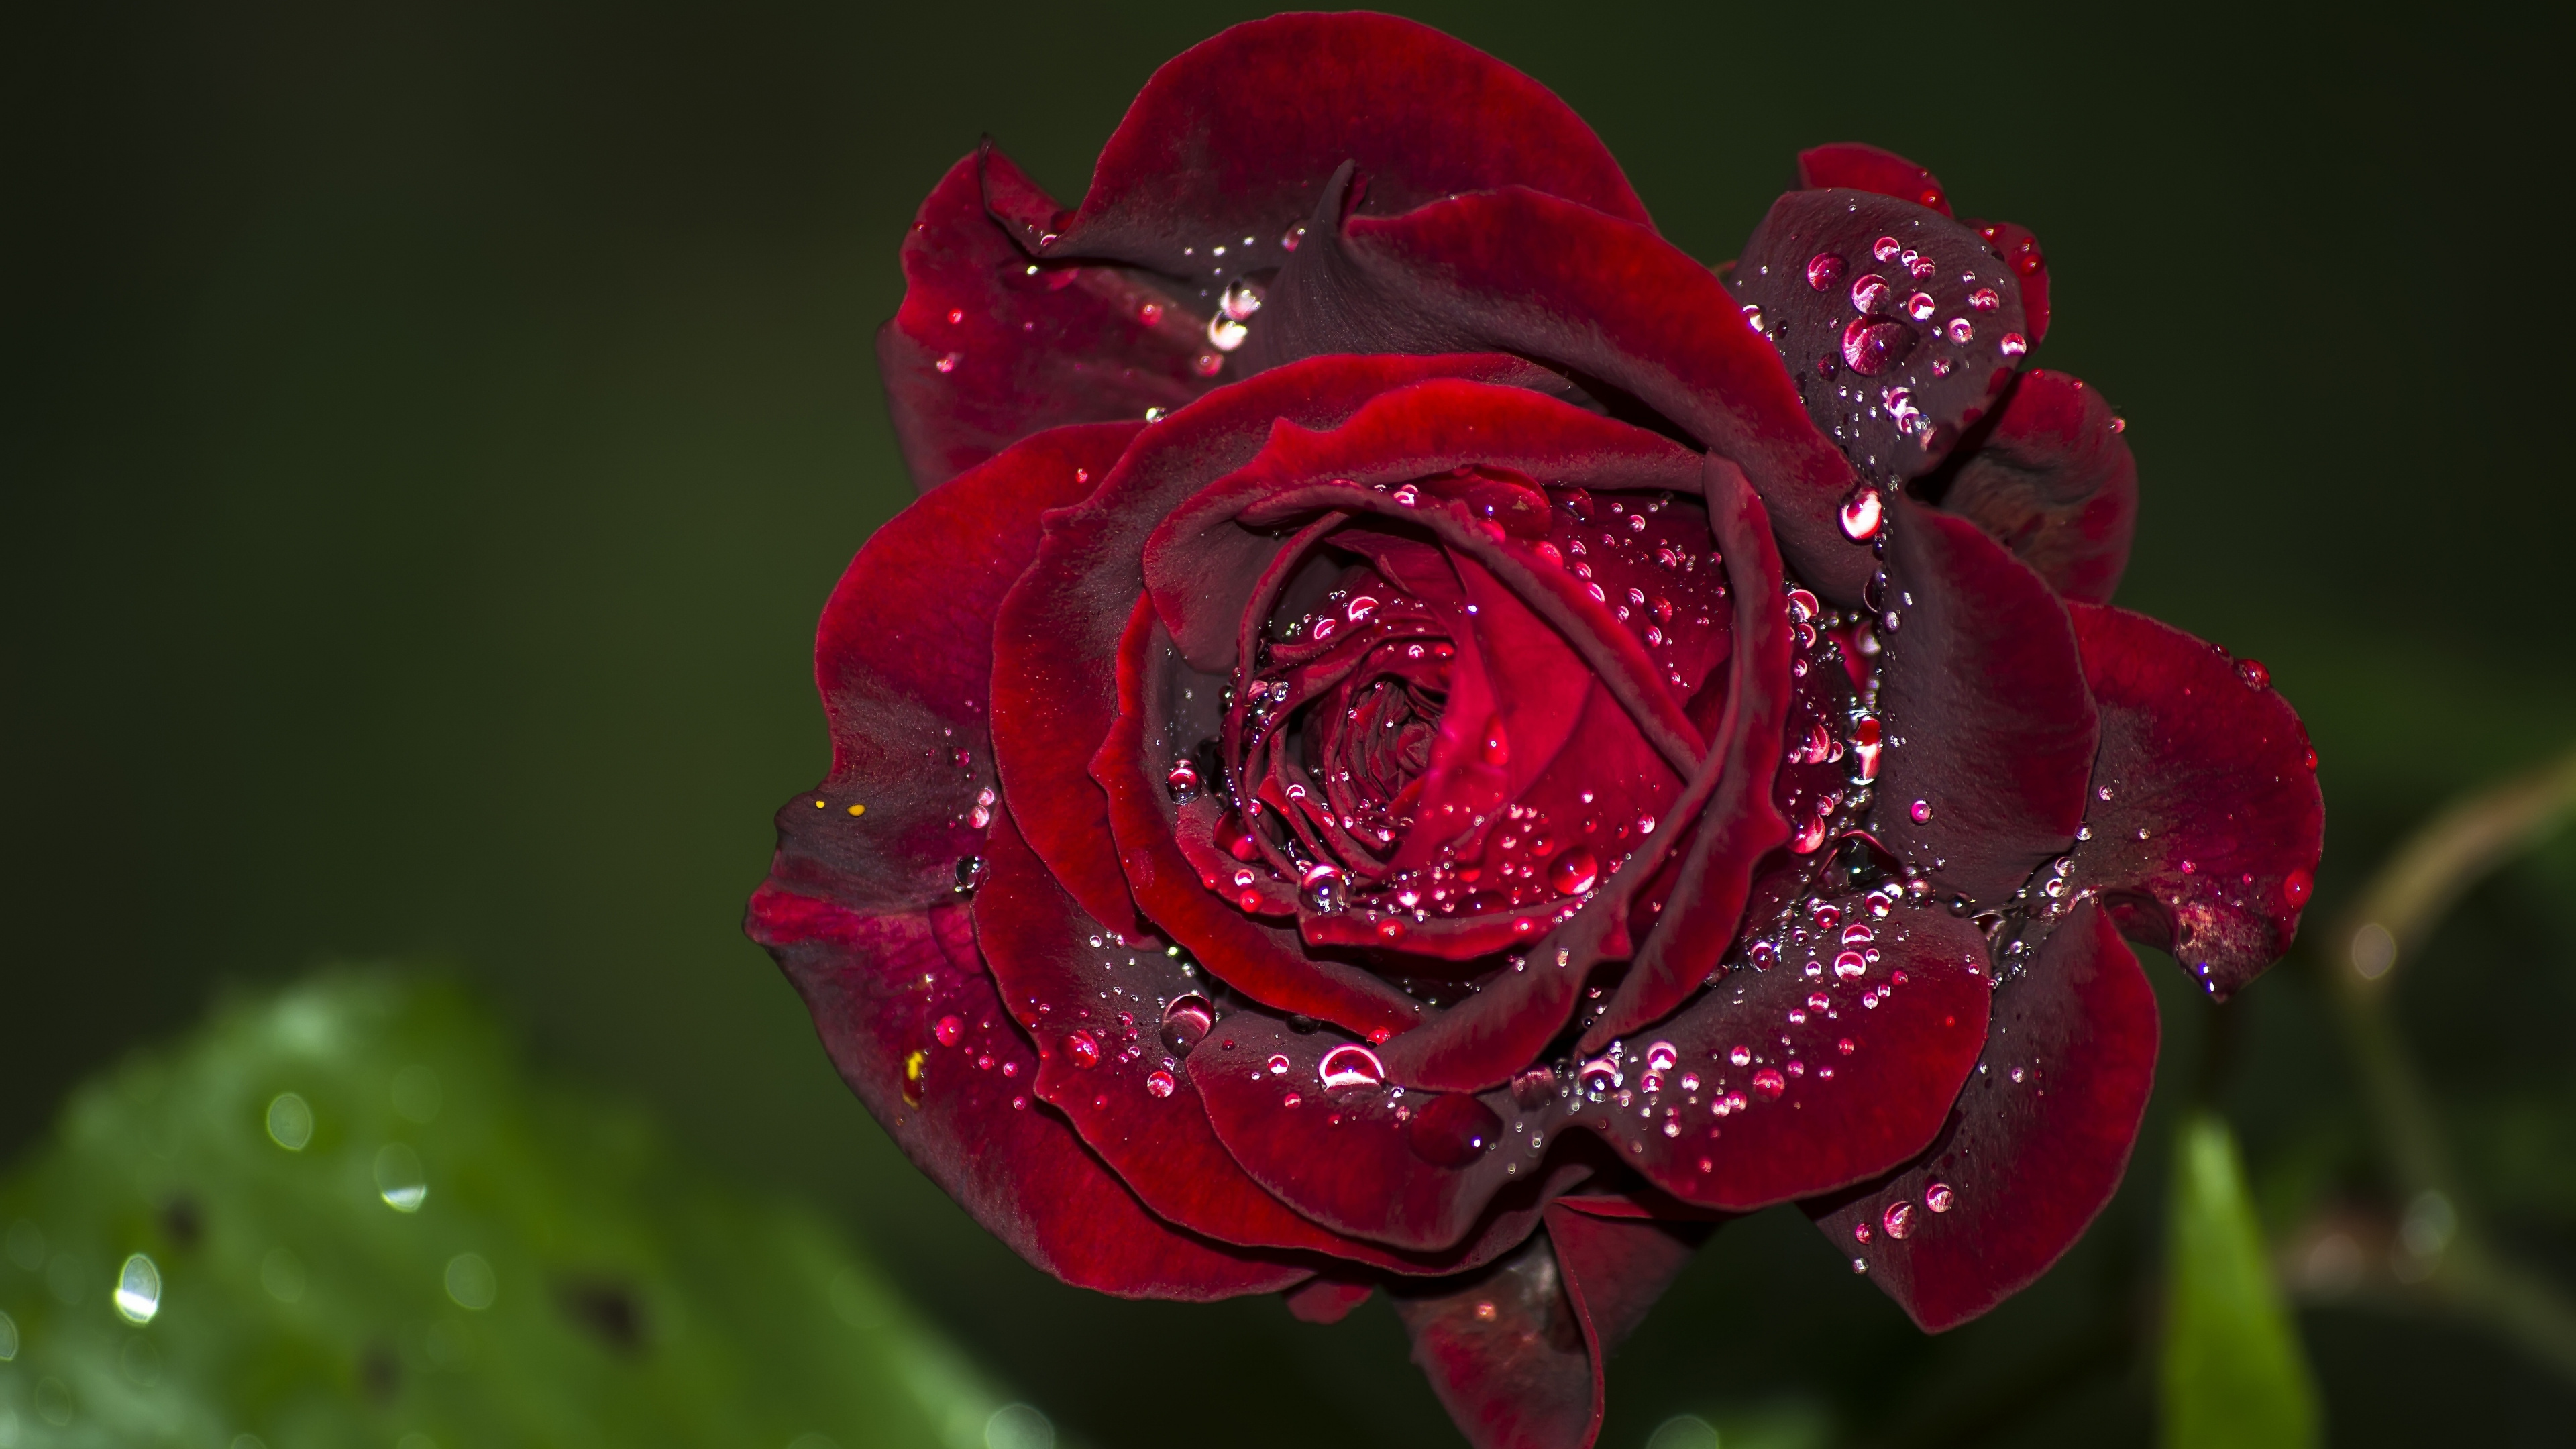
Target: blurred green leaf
342 1216
2233 1374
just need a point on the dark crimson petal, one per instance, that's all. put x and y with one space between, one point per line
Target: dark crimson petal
987 350
2206 821
1054 683
1614 1263
1327 1300
2035 1146
1506 1352
1109 1059
1228 146
1254 956
1983 696
903 658
1350 1156
1900 326
1517 271
1858 167
1803 1115
2054 483
2029 263
1740 823
879 987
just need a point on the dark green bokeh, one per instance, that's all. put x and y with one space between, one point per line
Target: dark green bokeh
430 432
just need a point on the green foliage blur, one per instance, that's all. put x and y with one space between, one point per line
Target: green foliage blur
345 1216
428 434
2233 1373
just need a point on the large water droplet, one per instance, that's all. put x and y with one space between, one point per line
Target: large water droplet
1873 345
1183 781
1850 964
1920 812
949 1029
1869 293
1159 1082
1937 1196
1920 306
2013 344
1350 1066
1241 299
1320 887
1862 515
1601 1074
1898 1220
1574 871
1985 299
1768 1084
138 1289
399 1180
1887 249
1661 1055
1186 1021
1452 1130
290 1121
970 873
1824 269
1082 1048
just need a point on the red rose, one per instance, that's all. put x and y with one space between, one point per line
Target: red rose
1416 739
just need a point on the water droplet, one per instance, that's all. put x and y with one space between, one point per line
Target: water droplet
1887 249
1320 887
1962 331
1862 515
1497 747
1277 1066
970 871
1599 1075
1574 871
1752 316
1985 299
1534 1087
948 361
1824 269
1183 782
948 1030
1850 965
1159 1082
1452 1130
2013 344
1844 1046
1937 1196
1920 812
1082 1048
1898 1220
1768 1084
2253 673
1869 293
1241 299
1920 306
1407 496
138 1290
399 1180
290 1121
1350 1066
1872 346
2295 887
1661 1055
1861 1234
1741 1056
1186 1021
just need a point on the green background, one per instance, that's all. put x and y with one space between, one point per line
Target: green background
429 433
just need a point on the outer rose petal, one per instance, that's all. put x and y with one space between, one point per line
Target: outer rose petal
1517 1353
2206 822
1983 686
2054 483
2029 264
1131 1101
1517 271
2035 1146
986 350
1228 146
1859 167
904 687
1056 637
878 987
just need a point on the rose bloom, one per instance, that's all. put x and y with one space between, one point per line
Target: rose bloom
1419 738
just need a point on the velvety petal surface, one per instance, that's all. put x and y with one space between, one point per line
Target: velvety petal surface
903 658
1229 146
1506 1352
1851 165
1991 725
1900 327
881 988
2033 1149
989 348
2055 483
1614 1262
1634 318
2206 819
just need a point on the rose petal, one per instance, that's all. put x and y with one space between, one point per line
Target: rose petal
2054 482
903 658
1507 1354
1326 1300
1984 695
2029 264
879 987
1859 167
1803 1114
1056 638
1121 1082
1897 355
1235 137
987 350
1614 1263
2035 1146
1353 1157
1605 299
2208 841
1739 824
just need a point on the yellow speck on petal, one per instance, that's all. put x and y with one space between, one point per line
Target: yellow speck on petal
912 1076
818 804
858 810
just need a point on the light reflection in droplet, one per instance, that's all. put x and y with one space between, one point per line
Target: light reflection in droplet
138 1289
399 1180
290 1121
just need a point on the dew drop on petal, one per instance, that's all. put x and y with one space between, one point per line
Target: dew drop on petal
1350 1066
1938 1196
1768 1084
1862 515
1824 269
2013 344
1898 1220
1159 1083
948 1030
1873 345
1574 871
1082 1048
